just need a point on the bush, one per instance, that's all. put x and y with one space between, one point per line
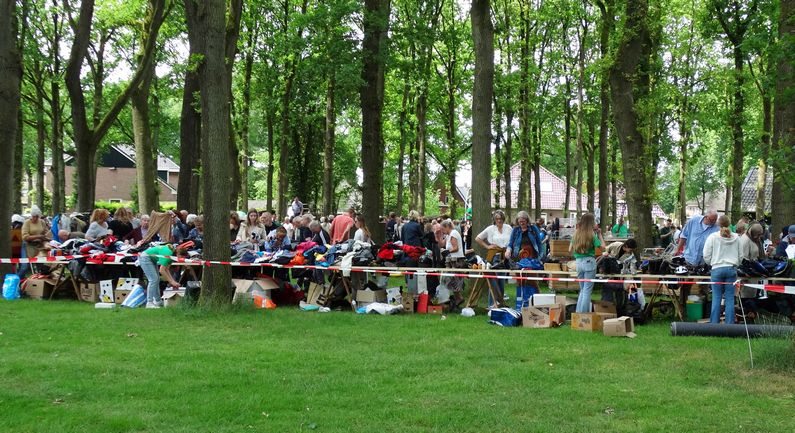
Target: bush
111 207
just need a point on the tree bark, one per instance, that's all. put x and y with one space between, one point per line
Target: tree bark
567 144
374 50
737 135
605 29
87 138
214 84
56 127
269 121
629 83
20 34
403 125
41 138
145 153
483 38
783 149
245 135
11 70
761 175
328 144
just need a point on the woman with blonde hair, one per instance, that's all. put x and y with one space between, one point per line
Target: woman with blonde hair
99 225
586 245
722 253
454 259
122 223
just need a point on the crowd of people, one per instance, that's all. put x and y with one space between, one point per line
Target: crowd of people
704 240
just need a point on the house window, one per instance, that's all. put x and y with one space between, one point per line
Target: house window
546 186
115 200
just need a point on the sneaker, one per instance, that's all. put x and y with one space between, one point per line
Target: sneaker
151 304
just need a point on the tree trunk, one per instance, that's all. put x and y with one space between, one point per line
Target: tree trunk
190 118
606 27
483 38
214 84
328 144
582 32
537 172
524 193
761 175
20 33
567 145
245 135
374 50
629 81
11 65
783 150
737 136
269 121
422 166
145 154
683 145
87 138
402 123
56 127
613 182
589 166
41 138
284 139
498 139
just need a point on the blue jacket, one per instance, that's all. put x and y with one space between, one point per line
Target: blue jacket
781 249
515 244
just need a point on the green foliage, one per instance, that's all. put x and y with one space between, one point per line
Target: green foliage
111 207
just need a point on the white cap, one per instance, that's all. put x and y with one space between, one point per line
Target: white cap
17 218
35 211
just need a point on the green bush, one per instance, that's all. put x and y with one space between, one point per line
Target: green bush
111 207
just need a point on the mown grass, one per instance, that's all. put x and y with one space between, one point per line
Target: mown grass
65 367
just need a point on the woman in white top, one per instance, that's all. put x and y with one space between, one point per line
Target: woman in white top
99 225
495 239
454 250
251 230
362 232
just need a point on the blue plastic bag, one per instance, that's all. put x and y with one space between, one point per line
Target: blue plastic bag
505 317
136 298
11 287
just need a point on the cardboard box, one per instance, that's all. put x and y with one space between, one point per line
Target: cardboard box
543 316
436 309
543 299
367 297
559 248
89 292
408 302
394 296
318 295
621 327
39 288
172 298
589 321
246 289
604 307
120 295
126 283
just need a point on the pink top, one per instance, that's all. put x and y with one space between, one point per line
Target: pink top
340 228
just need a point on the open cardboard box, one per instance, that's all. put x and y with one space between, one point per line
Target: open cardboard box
367 297
173 297
623 326
39 288
548 316
589 321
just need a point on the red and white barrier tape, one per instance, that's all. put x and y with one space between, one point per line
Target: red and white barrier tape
488 274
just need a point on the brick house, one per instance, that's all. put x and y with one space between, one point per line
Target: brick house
116 175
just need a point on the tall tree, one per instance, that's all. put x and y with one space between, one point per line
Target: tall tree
11 69
483 38
145 152
629 89
214 86
735 18
87 137
607 10
190 117
783 150
374 50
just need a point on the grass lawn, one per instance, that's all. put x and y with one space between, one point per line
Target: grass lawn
66 367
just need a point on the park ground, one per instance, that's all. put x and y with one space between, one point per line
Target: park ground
66 367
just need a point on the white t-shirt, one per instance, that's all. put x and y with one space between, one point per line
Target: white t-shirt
493 236
449 245
360 236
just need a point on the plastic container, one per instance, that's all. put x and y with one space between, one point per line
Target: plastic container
695 311
11 287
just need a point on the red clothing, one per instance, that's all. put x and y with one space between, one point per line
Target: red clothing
340 228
